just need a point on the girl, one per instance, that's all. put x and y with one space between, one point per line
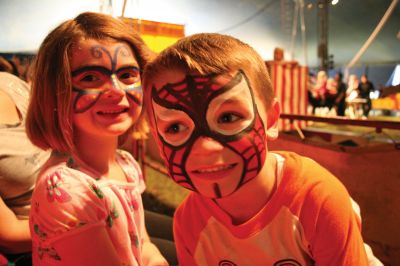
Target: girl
86 96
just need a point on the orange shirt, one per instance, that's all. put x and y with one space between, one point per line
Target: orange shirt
308 221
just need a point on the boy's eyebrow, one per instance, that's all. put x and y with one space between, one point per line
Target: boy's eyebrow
101 69
165 112
168 114
234 99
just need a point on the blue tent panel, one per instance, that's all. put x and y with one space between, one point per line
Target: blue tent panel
394 79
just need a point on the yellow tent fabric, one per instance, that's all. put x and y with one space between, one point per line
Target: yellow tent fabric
157 35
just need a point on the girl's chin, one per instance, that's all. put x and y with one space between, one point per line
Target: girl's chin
116 131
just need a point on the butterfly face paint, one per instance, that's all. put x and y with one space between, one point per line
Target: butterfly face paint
91 81
212 137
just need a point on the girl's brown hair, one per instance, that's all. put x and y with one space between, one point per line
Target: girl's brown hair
49 121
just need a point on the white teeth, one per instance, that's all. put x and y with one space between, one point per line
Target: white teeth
113 111
214 169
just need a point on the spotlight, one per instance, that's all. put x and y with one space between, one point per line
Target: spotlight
334 2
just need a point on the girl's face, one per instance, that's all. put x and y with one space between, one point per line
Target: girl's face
107 93
211 134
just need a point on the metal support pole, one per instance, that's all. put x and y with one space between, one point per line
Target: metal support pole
323 6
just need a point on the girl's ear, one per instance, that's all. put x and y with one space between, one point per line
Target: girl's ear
272 130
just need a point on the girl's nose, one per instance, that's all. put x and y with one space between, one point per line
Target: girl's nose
206 145
115 88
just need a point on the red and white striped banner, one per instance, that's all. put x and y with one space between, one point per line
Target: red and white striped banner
289 82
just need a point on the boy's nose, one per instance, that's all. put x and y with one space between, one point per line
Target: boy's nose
206 145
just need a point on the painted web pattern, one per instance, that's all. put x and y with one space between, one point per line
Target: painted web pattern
192 95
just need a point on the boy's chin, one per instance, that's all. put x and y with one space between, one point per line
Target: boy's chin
216 190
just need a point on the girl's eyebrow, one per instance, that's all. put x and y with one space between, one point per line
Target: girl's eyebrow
101 69
91 68
128 67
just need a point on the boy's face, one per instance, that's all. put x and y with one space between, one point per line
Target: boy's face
209 130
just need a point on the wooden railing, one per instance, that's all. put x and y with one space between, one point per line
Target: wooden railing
377 124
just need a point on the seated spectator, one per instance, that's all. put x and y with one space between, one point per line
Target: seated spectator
331 92
20 162
364 89
8 66
340 102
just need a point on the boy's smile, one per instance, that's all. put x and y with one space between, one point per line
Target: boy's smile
217 168
212 137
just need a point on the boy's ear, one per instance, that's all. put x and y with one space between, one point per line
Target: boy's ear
272 130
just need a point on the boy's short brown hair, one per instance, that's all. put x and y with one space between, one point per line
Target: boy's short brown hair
49 121
213 53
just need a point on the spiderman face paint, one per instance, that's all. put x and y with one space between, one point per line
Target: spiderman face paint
115 69
210 132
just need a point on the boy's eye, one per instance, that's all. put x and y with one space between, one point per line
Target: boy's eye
176 133
228 118
175 128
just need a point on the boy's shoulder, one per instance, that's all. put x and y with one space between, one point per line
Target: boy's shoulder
298 166
192 201
194 206
304 178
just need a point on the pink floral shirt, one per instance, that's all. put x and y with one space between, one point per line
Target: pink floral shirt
77 219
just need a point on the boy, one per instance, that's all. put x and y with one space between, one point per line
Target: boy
212 110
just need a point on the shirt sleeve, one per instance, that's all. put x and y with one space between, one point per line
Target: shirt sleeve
336 233
182 250
68 212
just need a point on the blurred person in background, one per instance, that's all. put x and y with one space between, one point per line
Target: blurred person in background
20 162
321 90
331 92
340 99
365 87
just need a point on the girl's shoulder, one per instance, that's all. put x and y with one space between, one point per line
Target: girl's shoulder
127 158
130 166
60 184
65 199
62 172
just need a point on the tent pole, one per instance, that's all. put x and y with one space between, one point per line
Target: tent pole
123 9
373 35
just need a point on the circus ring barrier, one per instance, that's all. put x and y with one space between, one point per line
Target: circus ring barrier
370 171
388 103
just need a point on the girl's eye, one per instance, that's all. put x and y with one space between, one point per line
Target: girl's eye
228 118
129 77
89 78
